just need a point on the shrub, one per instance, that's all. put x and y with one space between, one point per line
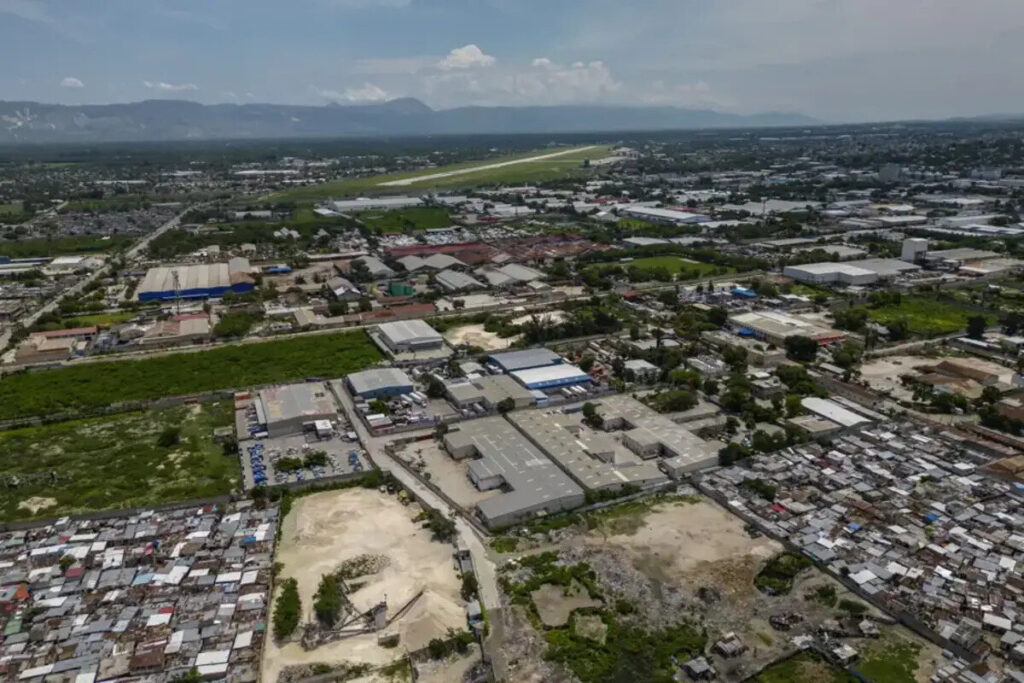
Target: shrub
287 610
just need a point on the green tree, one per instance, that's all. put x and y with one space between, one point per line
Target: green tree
976 325
435 388
190 676
327 600
287 610
801 348
170 436
793 405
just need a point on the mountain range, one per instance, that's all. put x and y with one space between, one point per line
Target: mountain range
157 120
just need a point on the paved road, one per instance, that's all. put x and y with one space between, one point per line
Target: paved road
486 571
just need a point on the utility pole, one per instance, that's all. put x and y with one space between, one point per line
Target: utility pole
177 292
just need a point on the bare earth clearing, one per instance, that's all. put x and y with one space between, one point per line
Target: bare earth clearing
325 529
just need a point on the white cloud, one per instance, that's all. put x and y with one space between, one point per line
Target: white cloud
542 82
29 10
368 92
466 57
71 82
169 87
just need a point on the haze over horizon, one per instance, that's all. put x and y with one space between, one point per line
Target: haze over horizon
836 60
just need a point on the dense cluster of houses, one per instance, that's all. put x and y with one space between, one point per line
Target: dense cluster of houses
907 517
149 596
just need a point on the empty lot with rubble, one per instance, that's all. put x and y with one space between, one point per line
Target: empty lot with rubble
663 571
325 530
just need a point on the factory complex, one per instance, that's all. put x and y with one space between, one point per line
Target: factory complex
533 484
196 281
775 327
547 460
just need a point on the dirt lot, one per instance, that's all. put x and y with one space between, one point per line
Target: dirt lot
325 529
883 374
476 335
556 604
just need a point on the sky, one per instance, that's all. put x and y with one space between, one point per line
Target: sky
837 60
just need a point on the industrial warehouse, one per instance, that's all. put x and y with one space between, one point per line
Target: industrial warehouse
510 361
379 382
197 281
295 408
506 459
409 335
546 460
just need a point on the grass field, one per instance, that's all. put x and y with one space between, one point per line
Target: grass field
94 385
890 660
402 220
113 462
805 667
10 209
102 319
63 245
675 265
925 317
533 171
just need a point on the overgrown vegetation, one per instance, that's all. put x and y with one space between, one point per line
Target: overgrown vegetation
629 653
777 576
505 544
327 601
805 667
96 385
129 460
287 609
823 595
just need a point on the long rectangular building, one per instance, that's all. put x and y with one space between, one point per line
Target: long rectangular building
505 458
196 281
510 361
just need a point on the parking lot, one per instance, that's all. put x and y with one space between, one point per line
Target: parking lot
451 476
298 458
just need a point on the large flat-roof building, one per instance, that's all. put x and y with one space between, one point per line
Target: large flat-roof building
551 376
489 391
510 361
652 435
505 458
863 272
775 327
196 281
378 382
290 409
409 335
665 216
594 459
365 203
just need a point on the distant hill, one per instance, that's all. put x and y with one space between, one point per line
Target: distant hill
155 120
